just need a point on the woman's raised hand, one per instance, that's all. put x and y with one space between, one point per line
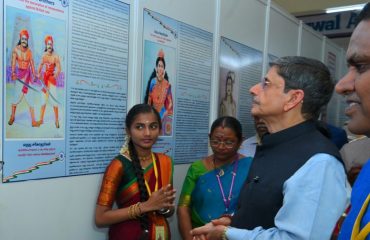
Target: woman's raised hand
164 198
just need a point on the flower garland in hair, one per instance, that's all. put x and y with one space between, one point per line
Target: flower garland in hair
124 149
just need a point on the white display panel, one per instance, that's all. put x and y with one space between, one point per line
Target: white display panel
201 16
240 69
182 96
333 58
311 44
68 98
242 31
244 22
283 34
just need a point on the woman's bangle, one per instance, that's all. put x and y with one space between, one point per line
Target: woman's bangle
130 208
138 212
134 211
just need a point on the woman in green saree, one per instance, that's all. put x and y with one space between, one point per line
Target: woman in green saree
212 185
139 181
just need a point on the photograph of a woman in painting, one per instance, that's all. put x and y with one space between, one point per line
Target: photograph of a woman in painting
158 93
228 105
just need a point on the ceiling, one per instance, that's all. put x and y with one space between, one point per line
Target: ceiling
304 7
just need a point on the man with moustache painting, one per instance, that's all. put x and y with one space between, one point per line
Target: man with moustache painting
22 70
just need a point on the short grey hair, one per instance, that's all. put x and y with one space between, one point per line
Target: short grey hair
364 15
309 75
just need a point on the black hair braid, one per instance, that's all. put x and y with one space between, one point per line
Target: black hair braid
146 98
144 219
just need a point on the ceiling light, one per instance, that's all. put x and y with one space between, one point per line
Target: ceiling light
345 8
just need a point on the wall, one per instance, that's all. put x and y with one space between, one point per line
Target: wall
63 208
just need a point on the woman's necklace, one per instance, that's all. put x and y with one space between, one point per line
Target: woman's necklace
145 158
220 174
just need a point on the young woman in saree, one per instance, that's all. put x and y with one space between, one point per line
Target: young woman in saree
139 182
212 185
159 94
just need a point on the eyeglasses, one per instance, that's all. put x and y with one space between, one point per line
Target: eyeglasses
217 143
